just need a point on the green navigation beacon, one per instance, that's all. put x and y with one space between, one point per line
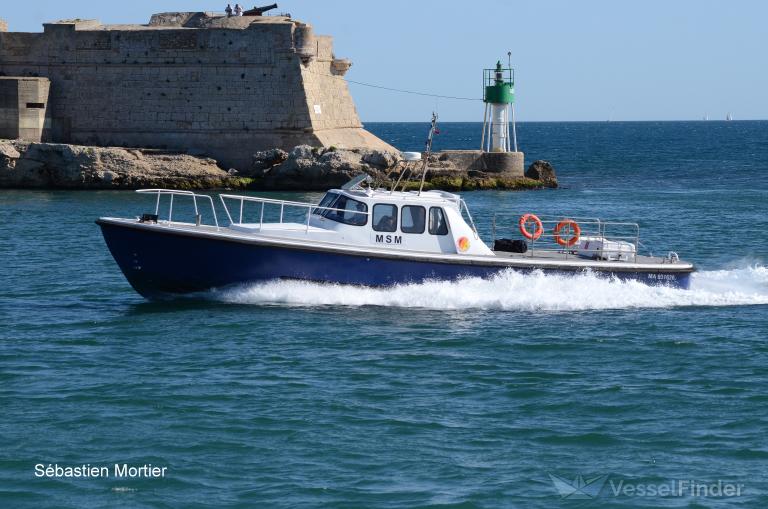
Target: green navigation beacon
499 98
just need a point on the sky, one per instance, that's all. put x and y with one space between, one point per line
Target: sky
574 60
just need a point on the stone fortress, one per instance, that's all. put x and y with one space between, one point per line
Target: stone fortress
190 96
202 83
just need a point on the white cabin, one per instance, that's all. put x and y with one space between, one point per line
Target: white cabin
430 221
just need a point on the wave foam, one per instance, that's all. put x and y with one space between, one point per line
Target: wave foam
514 291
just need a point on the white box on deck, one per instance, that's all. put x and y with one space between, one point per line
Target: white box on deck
600 248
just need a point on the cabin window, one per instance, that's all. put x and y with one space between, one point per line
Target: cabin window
384 217
437 223
412 219
350 211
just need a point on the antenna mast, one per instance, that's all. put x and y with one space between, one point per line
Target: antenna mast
428 150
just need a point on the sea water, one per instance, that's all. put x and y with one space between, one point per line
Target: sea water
528 391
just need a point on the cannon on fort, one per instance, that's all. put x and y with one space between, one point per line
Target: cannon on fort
258 11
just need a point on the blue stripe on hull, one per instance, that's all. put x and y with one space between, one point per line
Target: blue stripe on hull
157 263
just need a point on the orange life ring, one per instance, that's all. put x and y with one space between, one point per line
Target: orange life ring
524 219
573 226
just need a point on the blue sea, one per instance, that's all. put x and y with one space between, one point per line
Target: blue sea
527 391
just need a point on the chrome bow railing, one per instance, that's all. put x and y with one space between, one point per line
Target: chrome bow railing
187 194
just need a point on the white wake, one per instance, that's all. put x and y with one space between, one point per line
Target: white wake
515 291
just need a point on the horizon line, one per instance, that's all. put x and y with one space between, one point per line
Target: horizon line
563 121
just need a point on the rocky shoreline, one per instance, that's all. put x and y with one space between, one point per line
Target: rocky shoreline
60 166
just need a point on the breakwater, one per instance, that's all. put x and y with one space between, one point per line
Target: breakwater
304 168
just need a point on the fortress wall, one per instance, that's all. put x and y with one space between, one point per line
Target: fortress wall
329 102
164 80
330 105
224 92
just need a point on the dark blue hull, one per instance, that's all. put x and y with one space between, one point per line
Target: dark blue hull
160 262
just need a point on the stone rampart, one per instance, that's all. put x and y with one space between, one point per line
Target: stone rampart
226 87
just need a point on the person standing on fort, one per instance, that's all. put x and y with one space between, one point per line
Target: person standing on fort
228 10
238 10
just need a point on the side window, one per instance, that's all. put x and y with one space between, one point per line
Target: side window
437 223
384 217
413 219
352 211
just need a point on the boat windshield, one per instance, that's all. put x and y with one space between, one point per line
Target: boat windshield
325 202
342 209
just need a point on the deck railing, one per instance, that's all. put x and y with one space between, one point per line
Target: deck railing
591 228
187 194
503 225
311 208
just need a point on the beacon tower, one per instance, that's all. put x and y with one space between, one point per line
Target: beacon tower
499 98
499 140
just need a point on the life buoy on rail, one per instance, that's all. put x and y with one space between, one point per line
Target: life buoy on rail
524 220
572 226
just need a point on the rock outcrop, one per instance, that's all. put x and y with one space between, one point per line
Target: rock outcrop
307 168
542 171
304 168
48 165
